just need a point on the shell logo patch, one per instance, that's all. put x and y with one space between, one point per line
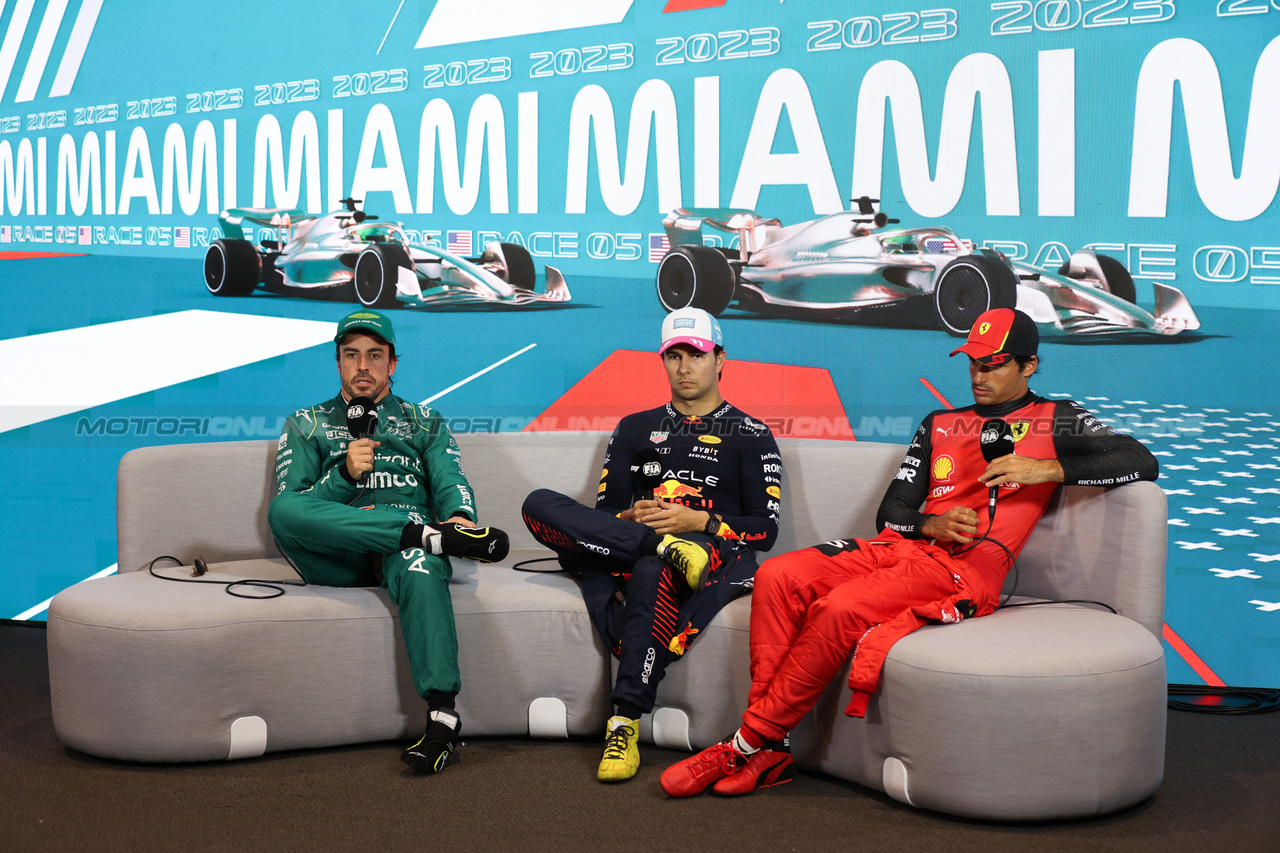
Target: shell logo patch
942 467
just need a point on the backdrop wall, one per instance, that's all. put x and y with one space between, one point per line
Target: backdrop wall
1143 128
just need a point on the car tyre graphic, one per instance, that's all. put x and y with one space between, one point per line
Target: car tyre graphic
376 272
1116 280
1114 275
696 276
521 273
1119 282
231 268
970 285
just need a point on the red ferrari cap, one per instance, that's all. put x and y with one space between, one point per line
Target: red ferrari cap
999 334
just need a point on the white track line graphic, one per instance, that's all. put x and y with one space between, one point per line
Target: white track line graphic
13 40
44 605
76 46
40 50
94 365
390 25
458 22
477 374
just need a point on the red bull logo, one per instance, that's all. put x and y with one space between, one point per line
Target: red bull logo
670 490
681 641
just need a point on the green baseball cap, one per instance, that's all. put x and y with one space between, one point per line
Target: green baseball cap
368 320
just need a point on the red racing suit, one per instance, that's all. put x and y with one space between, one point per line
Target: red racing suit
811 607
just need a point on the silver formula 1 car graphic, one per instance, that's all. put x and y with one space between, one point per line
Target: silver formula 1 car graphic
350 255
846 267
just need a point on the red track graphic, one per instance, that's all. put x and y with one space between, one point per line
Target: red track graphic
19 256
1193 660
799 402
686 5
935 392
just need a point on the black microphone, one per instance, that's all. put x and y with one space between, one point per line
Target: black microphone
646 472
362 417
996 440
362 420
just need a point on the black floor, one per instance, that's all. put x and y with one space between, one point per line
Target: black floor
1221 795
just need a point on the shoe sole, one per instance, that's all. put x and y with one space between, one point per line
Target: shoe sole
694 578
752 791
423 765
788 774
487 545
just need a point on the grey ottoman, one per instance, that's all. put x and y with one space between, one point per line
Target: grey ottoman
1039 713
1027 714
149 670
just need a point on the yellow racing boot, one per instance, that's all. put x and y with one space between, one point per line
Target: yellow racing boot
621 758
687 558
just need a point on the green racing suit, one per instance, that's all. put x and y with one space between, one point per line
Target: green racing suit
338 532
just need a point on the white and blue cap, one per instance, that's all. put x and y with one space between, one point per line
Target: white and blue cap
691 326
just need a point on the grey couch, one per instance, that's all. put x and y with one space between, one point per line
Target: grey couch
1031 713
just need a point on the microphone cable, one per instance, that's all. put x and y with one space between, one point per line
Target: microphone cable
1224 700
273 589
520 566
985 537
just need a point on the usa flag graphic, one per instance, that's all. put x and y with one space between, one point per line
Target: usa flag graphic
5 234
182 238
84 235
458 242
939 243
658 247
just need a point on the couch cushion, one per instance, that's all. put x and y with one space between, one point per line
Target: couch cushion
149 670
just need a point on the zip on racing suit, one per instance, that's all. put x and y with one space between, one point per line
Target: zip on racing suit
724 463
341 533
811 607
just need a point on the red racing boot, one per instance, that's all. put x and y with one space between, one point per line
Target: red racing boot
763 768
698 772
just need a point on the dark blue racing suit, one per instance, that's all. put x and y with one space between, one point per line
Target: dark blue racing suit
724 463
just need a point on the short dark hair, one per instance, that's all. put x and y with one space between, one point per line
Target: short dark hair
1024 360
337 347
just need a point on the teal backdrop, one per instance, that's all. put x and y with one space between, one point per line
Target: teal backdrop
1149 129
